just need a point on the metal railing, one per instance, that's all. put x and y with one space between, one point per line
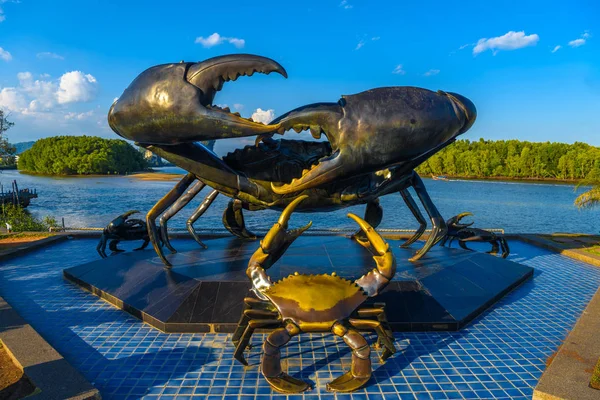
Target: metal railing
213 231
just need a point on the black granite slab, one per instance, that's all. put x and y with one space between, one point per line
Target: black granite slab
204 290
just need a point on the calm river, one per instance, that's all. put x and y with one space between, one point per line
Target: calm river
516 207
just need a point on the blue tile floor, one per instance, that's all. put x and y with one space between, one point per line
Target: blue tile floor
501 354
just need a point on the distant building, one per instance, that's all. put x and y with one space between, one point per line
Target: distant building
152 159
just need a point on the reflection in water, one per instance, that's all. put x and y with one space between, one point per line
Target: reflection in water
514 206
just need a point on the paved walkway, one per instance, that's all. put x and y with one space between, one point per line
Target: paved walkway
501 354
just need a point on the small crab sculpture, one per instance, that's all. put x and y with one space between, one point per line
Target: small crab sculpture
315 303
464 233
123 229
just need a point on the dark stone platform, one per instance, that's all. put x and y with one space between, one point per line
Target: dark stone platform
204 290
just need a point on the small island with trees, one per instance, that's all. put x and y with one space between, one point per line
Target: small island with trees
81 155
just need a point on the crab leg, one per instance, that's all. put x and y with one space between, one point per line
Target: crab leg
382 336
414 209
254 319
175 208
271 361
360 372
198 213
378 311
101 248
160 207
251 303
113 246
504 246
438 229
144 245
233 220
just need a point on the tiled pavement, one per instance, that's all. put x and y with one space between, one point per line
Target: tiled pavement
500 355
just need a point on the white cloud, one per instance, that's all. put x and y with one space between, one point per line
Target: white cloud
556 48
580 41
264 116
12 100
47 54
75 86
344 4
215 39
398 70
42 92
432 72
79 116
40 97
2 15
4 54
362 42
509 41
238 106
577 42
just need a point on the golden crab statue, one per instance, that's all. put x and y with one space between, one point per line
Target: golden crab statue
315 303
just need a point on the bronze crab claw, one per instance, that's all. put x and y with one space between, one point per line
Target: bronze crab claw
315 303
173 103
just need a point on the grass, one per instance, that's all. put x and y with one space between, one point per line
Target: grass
23 236
595 382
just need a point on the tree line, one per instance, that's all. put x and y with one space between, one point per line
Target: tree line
81 155
7 151
515 159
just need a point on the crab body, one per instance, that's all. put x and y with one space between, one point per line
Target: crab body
123 229
375 140
302 300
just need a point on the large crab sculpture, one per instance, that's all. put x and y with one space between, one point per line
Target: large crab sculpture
465 233
123 229
375 140
315 303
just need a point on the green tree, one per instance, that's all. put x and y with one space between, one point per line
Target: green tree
515 159
7 151
21 220
81 155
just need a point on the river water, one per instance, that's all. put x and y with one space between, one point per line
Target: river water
514 206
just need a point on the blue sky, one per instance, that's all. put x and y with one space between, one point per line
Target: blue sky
63 62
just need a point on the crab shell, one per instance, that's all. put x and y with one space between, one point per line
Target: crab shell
315 302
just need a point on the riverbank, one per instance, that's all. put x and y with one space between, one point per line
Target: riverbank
156 176
511 179
59 176
177 173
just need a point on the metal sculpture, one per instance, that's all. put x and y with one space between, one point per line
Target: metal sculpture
375 140
123 229
464 233
315 303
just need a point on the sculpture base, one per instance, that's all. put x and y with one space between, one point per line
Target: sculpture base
204 290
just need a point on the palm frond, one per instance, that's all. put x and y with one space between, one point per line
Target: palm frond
589 199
